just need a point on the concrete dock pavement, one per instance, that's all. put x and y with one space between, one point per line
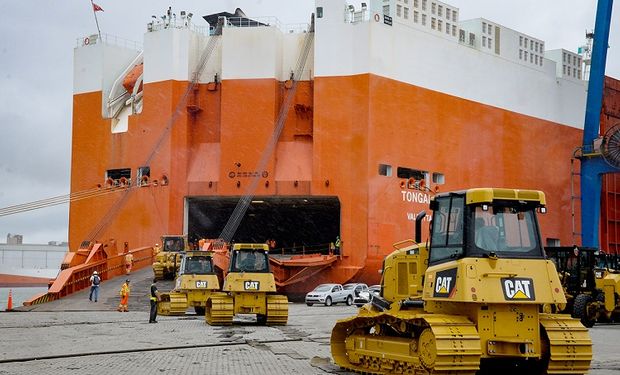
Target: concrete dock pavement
75 336
109 295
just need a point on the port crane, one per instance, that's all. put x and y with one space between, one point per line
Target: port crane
605 156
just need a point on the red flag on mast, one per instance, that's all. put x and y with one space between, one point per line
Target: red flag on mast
97 8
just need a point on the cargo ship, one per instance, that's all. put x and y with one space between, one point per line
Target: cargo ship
339 130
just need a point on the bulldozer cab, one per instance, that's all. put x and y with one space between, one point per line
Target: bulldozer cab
174 244
254 258
486 223
197 263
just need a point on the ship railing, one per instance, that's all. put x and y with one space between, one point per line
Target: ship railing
76 278
108 39
177 24
266 21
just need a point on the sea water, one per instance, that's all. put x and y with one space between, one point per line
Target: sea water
20 295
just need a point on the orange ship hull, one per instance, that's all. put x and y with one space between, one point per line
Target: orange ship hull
330 149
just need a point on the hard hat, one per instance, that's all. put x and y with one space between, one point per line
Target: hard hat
156 244
94 273
127 280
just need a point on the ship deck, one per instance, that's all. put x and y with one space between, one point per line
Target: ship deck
73 335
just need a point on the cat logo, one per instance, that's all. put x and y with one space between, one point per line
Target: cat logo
445 283
518 288
201 284
251 285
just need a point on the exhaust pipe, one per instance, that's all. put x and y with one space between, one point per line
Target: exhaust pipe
418 226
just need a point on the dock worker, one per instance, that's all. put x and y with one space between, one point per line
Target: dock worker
95 280
128 262
154 300
122 307
156 249
337 245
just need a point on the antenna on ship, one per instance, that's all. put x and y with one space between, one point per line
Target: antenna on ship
586 54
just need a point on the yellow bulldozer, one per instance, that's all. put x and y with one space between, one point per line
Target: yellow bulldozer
249 288
168 259
194 284
470 299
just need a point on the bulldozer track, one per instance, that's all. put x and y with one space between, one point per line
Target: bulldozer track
219 310
437 344
569 344
277 310
158 273
172 303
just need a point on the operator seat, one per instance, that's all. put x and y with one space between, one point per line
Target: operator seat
487 236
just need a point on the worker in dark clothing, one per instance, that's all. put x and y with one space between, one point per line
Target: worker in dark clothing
154 300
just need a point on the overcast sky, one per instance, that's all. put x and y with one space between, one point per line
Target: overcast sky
37 38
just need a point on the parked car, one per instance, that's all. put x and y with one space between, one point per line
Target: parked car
329 294
357 288
366 296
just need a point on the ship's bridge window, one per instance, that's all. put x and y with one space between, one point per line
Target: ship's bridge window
319 12
385 170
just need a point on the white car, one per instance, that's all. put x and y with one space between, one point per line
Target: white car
357 288
366 296
329 294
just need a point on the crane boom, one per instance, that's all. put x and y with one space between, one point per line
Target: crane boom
592 168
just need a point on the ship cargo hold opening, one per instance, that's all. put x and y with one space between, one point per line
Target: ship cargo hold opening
297 224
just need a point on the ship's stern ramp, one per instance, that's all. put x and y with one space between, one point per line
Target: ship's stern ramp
301 229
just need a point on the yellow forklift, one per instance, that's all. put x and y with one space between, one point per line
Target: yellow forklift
249 288
168 259
470 299
194 284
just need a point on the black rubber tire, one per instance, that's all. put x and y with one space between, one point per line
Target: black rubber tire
309 304
580 310
328 301
349 301
200 311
